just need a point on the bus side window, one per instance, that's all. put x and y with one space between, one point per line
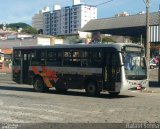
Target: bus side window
42 57
116 71
33 58
76 56
38 57
59 57
67 58
50 57
54 58
96 58
17 57
85 58
91 58
72 58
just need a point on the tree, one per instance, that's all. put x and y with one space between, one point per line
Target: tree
29 30
15 26
1 26
107 39
136 40
18 25
40 31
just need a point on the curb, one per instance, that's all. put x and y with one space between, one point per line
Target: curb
150 91
7 81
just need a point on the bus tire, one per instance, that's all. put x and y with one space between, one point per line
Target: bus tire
39 85
92 89
114 94
151 67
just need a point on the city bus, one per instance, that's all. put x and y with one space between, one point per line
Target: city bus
99 67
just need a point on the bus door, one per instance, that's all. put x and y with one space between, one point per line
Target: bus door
16 68
25 67
111 70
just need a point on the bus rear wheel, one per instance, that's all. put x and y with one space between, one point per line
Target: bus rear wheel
39 85
91 89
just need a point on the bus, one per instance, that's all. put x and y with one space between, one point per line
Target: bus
1 60
99 67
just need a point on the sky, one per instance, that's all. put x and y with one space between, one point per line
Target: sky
13 11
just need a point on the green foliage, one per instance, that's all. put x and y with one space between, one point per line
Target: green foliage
25 28
17 25
29 30
136 39
59 37
107 39
1 26
78 41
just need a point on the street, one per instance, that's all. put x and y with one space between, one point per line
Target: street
20 104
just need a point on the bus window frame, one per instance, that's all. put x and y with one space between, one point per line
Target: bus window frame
17 57
55 60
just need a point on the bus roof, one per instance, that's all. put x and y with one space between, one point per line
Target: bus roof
117 46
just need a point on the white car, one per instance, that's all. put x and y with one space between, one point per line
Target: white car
153 64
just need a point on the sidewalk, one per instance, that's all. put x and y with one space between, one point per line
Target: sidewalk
154 87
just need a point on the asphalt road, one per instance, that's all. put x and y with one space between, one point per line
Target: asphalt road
20 104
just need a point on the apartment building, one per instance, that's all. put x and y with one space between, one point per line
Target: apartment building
55 22
80 15
65 20
68 20
47 23
37 19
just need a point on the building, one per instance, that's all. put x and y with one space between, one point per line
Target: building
80 15
56 21
65 20
133 26
37 19
122 14
47 23
68 20
75 2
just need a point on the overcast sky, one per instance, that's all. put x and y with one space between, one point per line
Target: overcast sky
22 10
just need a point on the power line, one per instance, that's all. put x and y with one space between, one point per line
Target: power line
104 3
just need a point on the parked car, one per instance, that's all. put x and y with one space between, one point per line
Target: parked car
153 64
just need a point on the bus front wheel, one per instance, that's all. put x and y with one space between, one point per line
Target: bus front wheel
39 85
91 89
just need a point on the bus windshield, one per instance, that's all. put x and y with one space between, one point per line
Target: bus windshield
135 66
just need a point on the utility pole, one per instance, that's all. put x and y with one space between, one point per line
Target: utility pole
147 46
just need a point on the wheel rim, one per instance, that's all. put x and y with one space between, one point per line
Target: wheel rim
91 88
